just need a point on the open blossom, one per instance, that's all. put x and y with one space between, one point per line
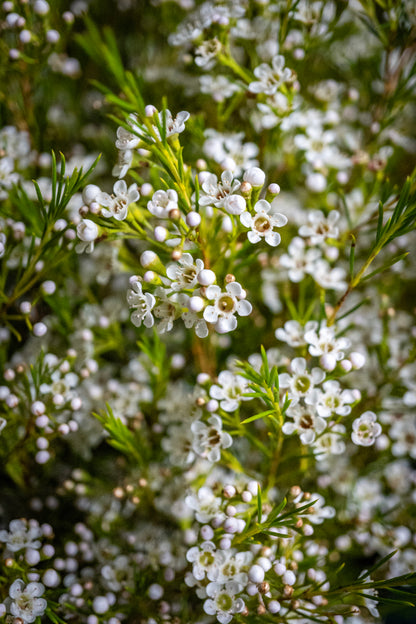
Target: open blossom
365 429
21 535
142 302
210 439
162 203
222 601
26 602
270 78
262 224
300 260
229 390
205 504
117 204
173 125
301 382
306 423
184 273
213 192
226 304
320 227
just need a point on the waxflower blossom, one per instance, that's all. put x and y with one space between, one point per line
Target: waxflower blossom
173 125
262 224
306 423
299 260
270 78
204 559
21 535
214 193
205 504
226 304
229 391
26 602
365 429
210 439
301 382
222 601
184 273
162 203
320 227
117 204
142 302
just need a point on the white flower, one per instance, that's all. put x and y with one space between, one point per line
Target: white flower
206 505
226 304
172 125
219 87
330 279
215 193
143 302
87 232
320 227
222 601
301 382
299 260
184 273
365 429
206 53
204 560
119 202
168 308
270 78
209 440
232 566
319 512
330 442
293 333
191 319
26 602
21 535
229 151
333 400
162 203
306 423
229 391
263 223
324 343
178 444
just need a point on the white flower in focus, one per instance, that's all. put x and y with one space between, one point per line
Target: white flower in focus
118 203
333 400
143 302
21 535
306 423
204 560
26 602
87 232
209 440
173 125
229 391
263 223
184 273
222 601
270 78
214 193
301 382
226 304
365 429
162 203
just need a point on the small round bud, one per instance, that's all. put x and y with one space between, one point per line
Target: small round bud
229 278
212 406
14 54
261 609
42 457
193 219
256 574
174 214
148 258
246 188
51 578
39 329
25 307
346 365
207 532
328 361
230 525
48 287
25 36
32 556
206 277
150 110
279 568
201 164
146 189
42 421
246 496
90 193
225 543
160 233
41 7
273 606
100 604
254 176
68 17
289 577
357 359
155 591
52 36
176 254
273 188
196 304
229 491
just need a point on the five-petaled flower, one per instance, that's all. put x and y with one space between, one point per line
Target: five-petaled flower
262 224
226 304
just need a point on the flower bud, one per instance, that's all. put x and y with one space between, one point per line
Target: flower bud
206 277
254 176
